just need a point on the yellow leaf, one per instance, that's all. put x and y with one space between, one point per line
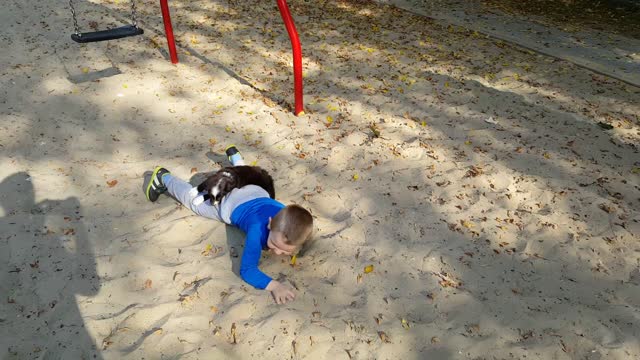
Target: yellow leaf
214 309
293 260
227 129
355 177
423 123
125 86
467 224
546 155
636 170
405 324
207 250
85 70
468 142
329 119
446 84
368 269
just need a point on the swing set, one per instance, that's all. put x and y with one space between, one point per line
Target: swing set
133 30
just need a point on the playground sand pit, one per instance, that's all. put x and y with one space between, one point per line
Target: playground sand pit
472 199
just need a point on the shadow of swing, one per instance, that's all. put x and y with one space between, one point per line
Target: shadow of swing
94 75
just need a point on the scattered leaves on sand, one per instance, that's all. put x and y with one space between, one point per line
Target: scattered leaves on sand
606 208
112 183
375 130
233 333
605 126
474 171
384 337
447 280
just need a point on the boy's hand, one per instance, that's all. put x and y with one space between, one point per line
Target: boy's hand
281 292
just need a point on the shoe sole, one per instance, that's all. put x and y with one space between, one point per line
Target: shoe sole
153 176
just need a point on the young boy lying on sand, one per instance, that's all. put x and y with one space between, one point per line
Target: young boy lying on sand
268 224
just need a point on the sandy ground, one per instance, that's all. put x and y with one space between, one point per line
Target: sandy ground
481 181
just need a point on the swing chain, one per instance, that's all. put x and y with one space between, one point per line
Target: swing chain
134 15
75 18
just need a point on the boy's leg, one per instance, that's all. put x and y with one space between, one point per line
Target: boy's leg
181 191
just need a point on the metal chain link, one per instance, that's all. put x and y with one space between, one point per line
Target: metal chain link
134 16
75 18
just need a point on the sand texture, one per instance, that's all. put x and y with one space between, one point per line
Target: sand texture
493 191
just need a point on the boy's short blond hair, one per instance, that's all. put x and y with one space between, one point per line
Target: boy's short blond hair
295 222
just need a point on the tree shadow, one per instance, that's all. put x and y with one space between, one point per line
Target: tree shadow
47 262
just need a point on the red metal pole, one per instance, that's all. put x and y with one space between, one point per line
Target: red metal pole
297 55
168 30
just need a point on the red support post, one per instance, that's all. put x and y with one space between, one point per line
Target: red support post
297 55
168 30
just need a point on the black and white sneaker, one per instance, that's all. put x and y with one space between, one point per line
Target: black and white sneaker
156 186
234 156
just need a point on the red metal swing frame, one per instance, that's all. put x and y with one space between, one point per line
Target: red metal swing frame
293 36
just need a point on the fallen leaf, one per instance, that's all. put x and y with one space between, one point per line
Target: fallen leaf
384 337
375 130
359 278
368 269
293 260
214 309
546 155
355 177
207 250
112 183
193 170
233 333
605 125
405 324
147 284
435 340
466 224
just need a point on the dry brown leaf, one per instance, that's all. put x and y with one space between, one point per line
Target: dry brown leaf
112 183
148 283
384 337
194 170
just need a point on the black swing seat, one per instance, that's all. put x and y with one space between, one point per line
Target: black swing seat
110 34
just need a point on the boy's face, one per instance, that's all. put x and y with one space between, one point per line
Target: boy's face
277 243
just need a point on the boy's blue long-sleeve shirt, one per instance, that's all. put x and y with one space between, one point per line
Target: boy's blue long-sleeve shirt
252 217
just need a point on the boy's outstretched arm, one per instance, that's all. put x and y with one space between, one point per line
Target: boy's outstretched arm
250 272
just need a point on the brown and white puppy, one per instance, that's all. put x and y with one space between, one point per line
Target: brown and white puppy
226 179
